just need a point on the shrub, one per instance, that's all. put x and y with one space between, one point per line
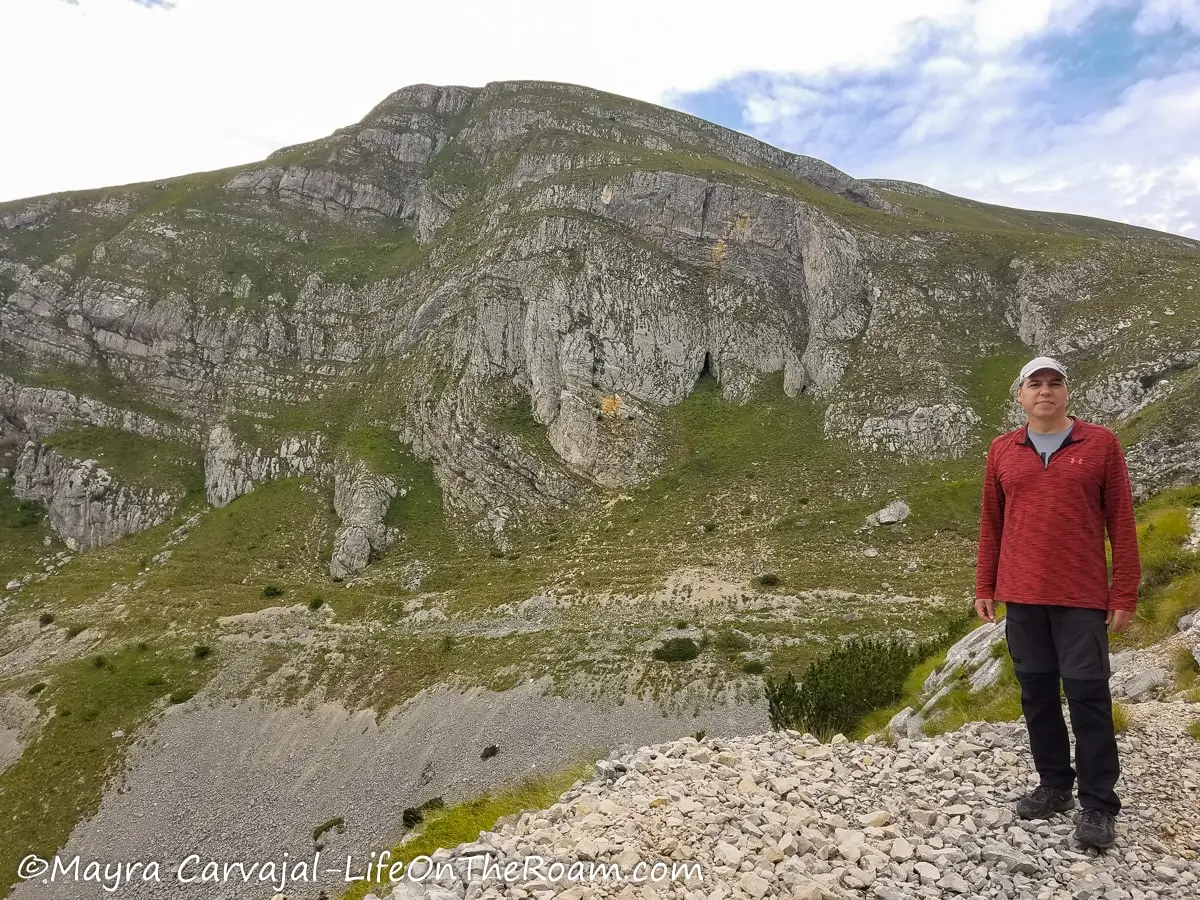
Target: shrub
699 735
181 696
677 650
754 667
447 643
489 751
46 618
272 590
36 689
732 641
412 817
98 662
142 646
27 514
337 822
681 624
838 690
767 579
316 603
201 651
155 681
1194 729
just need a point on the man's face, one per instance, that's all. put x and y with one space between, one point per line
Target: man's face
1043 395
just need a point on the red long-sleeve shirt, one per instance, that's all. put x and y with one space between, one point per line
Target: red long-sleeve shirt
1041 530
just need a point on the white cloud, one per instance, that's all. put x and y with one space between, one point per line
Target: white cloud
1160 15
993 125
1134 162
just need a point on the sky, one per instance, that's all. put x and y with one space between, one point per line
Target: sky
1083 106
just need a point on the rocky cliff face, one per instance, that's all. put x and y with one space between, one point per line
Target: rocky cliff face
568 253
361 499
232 468
87 507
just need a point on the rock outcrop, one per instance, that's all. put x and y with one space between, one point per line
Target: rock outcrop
85 504
232 468
361 499
971 661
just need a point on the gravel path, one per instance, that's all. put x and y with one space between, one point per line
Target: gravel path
780 815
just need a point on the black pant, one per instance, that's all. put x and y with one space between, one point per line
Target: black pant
1067 643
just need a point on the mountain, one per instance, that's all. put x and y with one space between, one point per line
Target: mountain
501 389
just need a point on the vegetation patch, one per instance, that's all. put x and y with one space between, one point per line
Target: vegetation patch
676 649
337 822
60 777
453 825
841 688
1120 716
135 460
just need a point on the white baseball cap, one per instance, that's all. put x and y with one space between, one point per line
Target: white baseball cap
1040 362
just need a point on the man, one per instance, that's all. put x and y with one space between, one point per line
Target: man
1050 490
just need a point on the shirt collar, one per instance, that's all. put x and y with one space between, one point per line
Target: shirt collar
1078 432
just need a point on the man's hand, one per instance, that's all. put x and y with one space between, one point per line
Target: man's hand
985 608
1117 619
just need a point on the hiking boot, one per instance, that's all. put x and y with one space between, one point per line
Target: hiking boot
1044 802
1096 828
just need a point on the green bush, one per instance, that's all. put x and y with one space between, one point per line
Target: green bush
337 822
36 689
489 751
46 618
767 579
732 641
754 667
272 590
677 650
27 513
201 651
316 603
181 696
838 690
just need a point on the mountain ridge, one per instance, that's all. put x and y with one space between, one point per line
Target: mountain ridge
520 391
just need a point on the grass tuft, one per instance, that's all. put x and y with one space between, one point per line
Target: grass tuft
1121 718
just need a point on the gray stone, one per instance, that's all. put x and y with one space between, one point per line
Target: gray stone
895 512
